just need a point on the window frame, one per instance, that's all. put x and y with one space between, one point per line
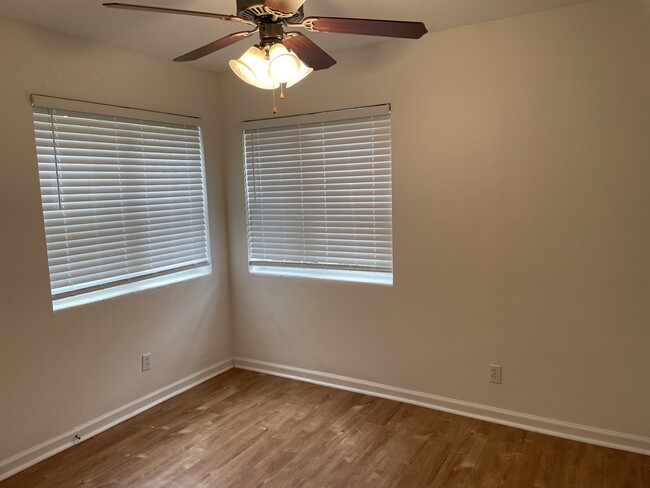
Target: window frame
322 271
157 276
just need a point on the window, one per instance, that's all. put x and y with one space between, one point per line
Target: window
318 191
124 201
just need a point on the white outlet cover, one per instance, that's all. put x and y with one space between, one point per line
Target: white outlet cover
495 374
146 362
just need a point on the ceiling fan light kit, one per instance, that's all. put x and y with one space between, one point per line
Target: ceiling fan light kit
282 59
269 70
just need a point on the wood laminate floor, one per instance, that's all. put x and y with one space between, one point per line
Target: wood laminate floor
245 429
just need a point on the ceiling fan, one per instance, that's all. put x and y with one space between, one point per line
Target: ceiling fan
283 58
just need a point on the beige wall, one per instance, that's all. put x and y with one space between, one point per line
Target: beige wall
59 370
521 219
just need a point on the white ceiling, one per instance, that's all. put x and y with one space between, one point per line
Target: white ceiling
167 36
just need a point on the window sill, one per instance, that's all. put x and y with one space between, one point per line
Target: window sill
377 278
127 289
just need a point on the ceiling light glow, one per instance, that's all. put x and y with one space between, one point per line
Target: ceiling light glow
284 66
269 70
253 68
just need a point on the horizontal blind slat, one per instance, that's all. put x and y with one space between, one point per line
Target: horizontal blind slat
135 258
80 250
92 257
119 273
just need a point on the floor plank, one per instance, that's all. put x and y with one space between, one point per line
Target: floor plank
245 429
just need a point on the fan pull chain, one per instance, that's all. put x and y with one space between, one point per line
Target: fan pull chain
275 109
281 92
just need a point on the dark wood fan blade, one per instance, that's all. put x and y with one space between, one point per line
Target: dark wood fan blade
164 10
285 6
214 46
309 53
368 27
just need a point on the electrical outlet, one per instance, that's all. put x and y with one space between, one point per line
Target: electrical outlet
146 362
495 373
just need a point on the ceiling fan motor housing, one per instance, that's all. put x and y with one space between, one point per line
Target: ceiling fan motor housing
271 33
258 10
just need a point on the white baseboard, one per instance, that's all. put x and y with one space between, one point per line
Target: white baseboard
558 428
29 457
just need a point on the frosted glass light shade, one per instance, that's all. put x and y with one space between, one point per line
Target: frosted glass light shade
243 71
253 68
284 66
302 74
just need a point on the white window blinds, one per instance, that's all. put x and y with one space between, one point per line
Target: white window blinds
319 195
123 198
